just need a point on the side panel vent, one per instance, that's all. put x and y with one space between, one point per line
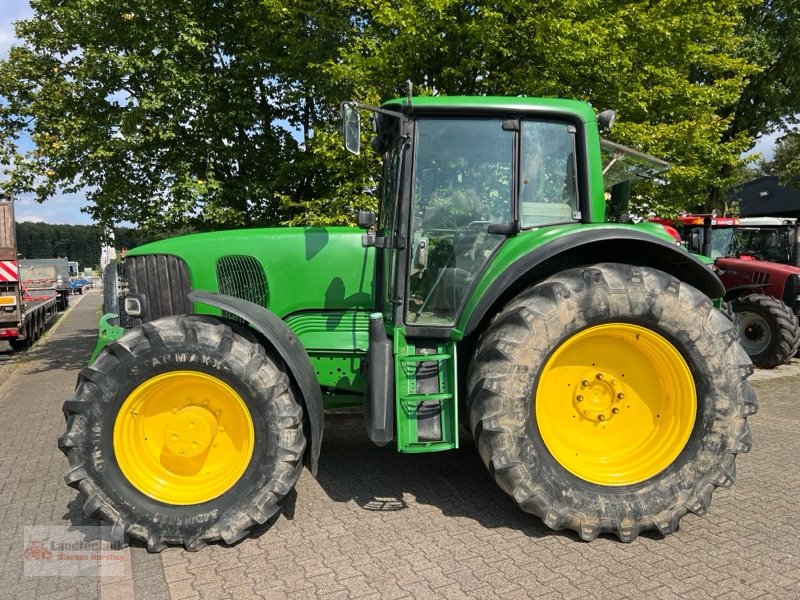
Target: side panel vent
760 277
242 277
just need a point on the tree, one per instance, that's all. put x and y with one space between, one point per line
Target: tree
673 69
168 113
76 242
210 114
770 34
770 30
786 162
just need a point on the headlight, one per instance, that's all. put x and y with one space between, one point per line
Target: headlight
134 305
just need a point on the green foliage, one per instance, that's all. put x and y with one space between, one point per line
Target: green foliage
786 162
76 242
225 114
771 40
170 113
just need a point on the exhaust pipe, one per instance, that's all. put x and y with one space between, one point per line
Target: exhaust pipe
707 237
379 400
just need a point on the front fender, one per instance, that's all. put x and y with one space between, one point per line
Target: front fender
745 290
290 350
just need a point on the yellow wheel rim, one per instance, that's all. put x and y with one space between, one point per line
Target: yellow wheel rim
616 404
183 437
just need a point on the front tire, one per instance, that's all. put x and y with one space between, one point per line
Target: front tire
611 398
186 430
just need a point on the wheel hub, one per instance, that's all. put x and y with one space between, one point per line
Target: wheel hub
183 437
754 332
190 431
615 404
598 395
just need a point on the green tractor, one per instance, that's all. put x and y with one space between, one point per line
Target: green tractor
604 391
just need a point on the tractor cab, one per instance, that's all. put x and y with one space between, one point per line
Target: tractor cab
771 238
460 182
460 177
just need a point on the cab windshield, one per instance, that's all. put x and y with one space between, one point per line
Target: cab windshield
464 179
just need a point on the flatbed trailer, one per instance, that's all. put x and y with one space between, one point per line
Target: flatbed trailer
33 314
45 275
24 314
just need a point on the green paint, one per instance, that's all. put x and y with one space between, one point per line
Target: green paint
336 342
320 281
408 398
108 333
307 269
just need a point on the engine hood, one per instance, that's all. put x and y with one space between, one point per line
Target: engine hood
305 268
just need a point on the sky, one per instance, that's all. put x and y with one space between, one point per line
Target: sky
65 208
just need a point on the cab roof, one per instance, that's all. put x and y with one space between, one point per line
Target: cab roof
495 104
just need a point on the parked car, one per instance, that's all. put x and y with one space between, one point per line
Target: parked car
78 285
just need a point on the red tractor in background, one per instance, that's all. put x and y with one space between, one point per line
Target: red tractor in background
769 238
763 296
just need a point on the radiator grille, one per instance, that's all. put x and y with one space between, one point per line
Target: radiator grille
163 279
242 277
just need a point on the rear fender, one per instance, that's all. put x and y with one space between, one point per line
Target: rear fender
591 246
290 350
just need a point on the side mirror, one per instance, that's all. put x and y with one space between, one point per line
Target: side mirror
606 120
351 127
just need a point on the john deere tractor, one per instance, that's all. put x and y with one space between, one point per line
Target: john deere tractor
604 391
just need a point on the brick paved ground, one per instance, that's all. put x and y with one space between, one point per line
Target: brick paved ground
381 525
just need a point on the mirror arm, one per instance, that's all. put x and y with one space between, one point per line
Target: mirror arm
369 107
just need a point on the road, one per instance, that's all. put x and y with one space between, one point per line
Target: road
8 356
377 524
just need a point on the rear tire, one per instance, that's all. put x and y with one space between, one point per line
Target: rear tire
768 329
20 345
184 431
546 389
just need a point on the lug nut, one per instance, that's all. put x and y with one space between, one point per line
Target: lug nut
599 376
601 417
620 395
615 410
579 398
585 382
